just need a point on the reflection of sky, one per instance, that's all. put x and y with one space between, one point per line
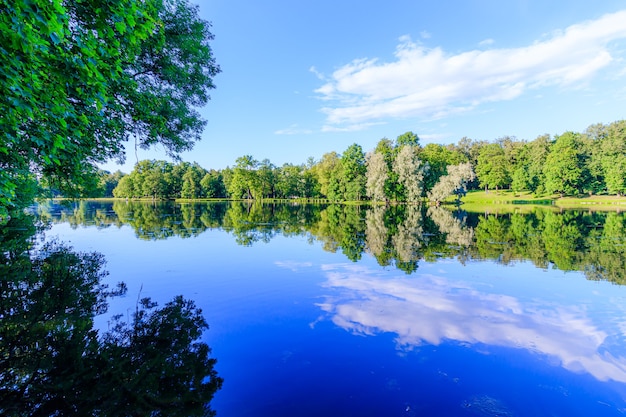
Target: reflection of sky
431 309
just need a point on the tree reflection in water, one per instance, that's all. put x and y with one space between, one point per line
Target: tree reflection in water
399 236
54 362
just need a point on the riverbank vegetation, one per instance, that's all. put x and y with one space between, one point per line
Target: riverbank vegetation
509 197
591 164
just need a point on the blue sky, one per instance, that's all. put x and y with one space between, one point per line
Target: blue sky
303 78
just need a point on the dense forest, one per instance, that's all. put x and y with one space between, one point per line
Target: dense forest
400 170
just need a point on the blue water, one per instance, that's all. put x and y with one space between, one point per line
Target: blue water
299 331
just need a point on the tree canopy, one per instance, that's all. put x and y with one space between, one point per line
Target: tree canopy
403 171
80 78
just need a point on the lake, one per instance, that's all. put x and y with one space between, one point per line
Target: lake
332 310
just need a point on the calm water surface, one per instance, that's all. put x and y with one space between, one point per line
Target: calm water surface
352 311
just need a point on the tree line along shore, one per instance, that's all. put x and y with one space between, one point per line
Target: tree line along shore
587 164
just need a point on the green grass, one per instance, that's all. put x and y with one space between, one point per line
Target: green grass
506 197
481 201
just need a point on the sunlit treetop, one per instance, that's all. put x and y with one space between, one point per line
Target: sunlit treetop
81 78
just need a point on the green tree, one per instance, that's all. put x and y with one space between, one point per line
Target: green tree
612 150
352 174
192 179
565 169
492 168
615 175
245 181
125 188
213 184
311 185
108 182
439 158
520 177
174 178
327 173
408 138
290 181
538 151
80 78
154 177
470 149
266 174
150 178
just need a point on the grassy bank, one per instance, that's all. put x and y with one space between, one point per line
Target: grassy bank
481 200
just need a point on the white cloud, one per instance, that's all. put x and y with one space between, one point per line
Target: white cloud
486 42
318 74
430 83
349 128
434 309
293 265
433 138
293 130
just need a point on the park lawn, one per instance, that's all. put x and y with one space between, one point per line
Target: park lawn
505 197
479 200
595 201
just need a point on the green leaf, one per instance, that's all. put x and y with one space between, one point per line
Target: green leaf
121 27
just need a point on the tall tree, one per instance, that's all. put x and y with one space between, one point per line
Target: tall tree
353 173
377 174
408 138
527 165
174 178
154 177
266 174
80 78
455 182
109 181
290 181
613 157
492 167
245 181
538 151
327 173
565 169
213 184
393 190
192 179
410 170
125 188
439 158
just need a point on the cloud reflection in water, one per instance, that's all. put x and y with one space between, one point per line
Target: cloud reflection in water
429 309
